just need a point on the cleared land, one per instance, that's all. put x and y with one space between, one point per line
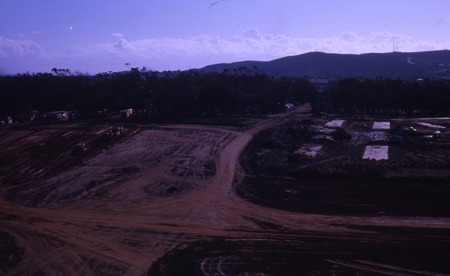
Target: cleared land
176 200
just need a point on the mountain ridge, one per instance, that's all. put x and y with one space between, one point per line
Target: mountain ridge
403 65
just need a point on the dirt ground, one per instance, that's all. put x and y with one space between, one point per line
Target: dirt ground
413 181
161 200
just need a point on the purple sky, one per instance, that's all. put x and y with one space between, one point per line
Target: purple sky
98 35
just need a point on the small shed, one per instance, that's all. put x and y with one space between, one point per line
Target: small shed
335 123
381 125
57 115
376 153
126 112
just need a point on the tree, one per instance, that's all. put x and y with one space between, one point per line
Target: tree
61 72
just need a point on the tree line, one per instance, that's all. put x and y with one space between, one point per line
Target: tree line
172 95
386 97
161 95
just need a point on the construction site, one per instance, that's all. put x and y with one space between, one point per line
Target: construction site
288 194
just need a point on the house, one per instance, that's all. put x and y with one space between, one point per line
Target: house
7 121
376 152
126 112
56 116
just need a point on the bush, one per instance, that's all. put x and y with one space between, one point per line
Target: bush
341 135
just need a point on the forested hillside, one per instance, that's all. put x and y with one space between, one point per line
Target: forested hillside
406 66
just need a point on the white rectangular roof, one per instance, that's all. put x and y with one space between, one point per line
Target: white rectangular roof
381 125
376 152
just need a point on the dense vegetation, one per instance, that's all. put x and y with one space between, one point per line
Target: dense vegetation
159 95
173 95
386 96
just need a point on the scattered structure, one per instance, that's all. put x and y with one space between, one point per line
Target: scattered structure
126 112
378 136
380 131
381 125
335 123
376 152
289 105
431 125
309 150
321 129
56 116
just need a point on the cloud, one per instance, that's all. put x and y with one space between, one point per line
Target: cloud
117 35
253 34
123 45
254 44
19 48
197 51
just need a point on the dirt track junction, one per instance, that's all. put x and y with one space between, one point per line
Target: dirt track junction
183 200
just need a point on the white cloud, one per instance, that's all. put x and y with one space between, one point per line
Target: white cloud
198 51
118 35
19 48
253 34
123 45
253 44
182 53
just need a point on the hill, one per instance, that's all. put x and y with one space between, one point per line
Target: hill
432 64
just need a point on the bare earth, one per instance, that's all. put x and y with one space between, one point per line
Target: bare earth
165 188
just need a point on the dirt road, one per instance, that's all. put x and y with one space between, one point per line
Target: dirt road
164 197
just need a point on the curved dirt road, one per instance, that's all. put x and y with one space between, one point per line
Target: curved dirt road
100 221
